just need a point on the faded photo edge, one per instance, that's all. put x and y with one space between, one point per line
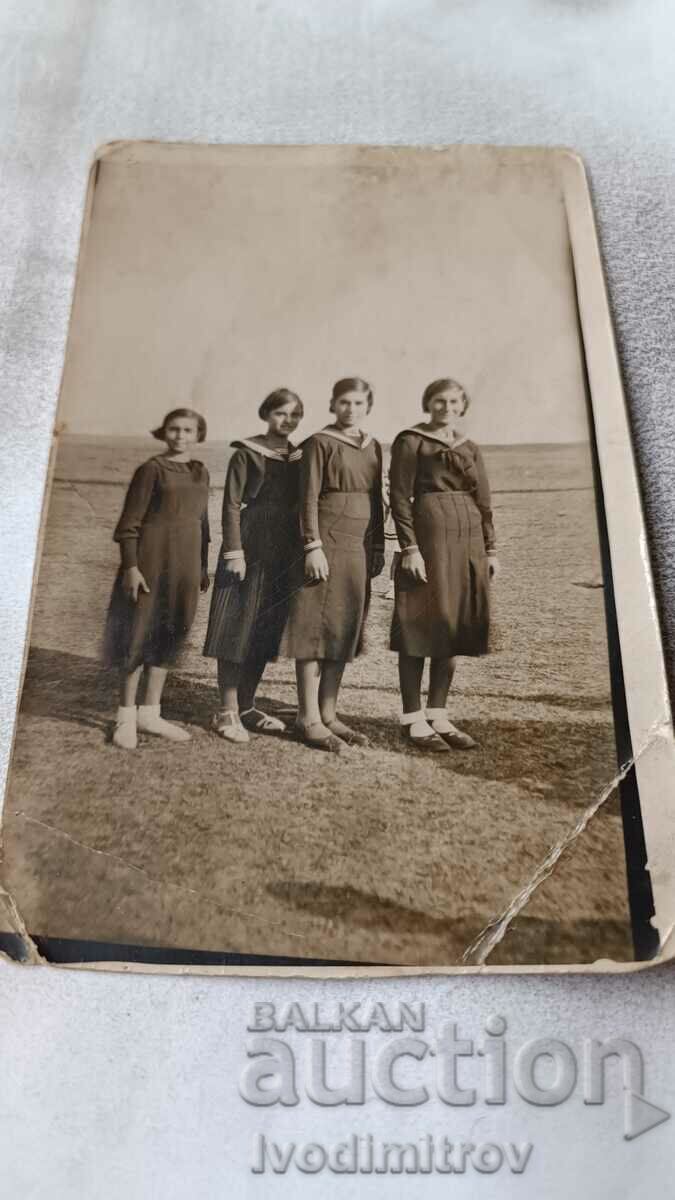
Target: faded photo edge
647 698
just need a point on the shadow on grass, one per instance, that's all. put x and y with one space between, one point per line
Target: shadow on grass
68 687
73 688
528 940
347 903
570 762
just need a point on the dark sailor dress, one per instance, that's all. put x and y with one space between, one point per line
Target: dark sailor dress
164 531
340 508
260 517
440 501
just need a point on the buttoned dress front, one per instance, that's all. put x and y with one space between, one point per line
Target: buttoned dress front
340 507
440 500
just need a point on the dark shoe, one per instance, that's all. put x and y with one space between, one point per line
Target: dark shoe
430 741
349 736
318 739
457 740
257 721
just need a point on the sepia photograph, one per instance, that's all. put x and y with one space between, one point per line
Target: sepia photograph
325 660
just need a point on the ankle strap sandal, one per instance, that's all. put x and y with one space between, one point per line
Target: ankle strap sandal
228 726
261 722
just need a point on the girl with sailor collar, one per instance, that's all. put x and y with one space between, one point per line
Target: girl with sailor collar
341 520
256 568
440 500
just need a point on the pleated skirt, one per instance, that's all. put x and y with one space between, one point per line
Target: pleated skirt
450 613
247 619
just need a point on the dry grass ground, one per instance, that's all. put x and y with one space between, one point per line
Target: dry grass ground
382 855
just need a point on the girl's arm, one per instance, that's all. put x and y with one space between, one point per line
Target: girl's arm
206 531
402 475
233 498
484 503
206 537
378 518
136 504
311 482
378 507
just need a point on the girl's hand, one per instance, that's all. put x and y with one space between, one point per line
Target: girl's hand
494 569
236 568
377 565
316 566
133 583
413 563
205 582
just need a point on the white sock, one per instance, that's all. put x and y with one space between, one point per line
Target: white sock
125 728
150 721
439 721
419 726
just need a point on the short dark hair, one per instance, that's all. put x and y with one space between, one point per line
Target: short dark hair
443 385
182 412
277 399
351 384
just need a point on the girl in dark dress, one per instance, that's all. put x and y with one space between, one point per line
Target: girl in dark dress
163 535
341 521
440 501
257 568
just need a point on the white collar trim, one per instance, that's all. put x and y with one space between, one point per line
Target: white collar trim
266 452
366 438
435 437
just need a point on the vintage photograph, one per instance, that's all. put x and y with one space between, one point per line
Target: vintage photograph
324 661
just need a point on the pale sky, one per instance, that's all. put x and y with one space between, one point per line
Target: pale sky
210 284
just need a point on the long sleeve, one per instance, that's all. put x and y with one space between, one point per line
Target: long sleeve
402 473
233 498
206 533
136 505
484 503
311 482
378 508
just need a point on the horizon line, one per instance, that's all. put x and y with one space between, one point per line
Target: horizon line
148 438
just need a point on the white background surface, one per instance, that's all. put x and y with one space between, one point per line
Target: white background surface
116 1086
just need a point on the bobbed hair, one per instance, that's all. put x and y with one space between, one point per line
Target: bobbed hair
443 385
182 412
351 385
277 399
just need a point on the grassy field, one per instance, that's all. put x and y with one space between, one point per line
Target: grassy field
381 856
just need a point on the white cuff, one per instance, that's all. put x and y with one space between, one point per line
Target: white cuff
436 713
408 548
316 545
233 554
491 553
419 726
412 718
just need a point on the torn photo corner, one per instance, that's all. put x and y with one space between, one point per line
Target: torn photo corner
343 654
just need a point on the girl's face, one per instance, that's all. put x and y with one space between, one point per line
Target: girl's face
284 421
351 410
180 434
446 406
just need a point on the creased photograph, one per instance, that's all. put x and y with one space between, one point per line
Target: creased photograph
331 658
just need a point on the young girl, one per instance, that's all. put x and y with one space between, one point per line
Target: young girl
259 557
440 500
341 522
163 535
